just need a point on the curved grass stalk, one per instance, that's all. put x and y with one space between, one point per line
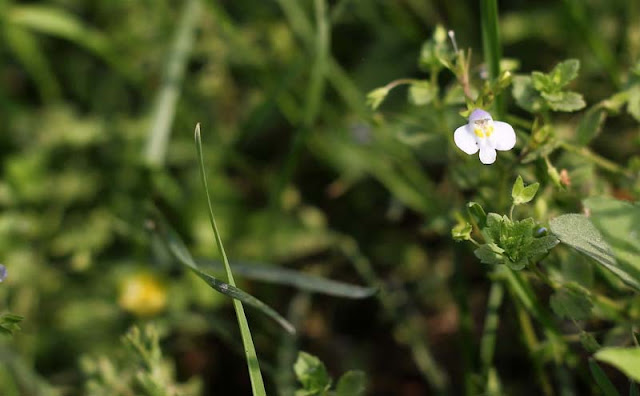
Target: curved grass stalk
257 383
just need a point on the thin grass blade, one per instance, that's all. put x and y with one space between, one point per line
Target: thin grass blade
177 248
257 383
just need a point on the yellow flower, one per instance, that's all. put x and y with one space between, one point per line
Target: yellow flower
142 294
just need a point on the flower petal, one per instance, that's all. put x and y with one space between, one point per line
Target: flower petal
504 137
487 155
465 140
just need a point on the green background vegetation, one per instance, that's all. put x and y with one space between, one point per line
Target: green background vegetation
98 104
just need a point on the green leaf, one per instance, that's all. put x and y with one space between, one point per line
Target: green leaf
564 72
567 101
626 360
542 245
312 374
526 95
297 279
477 214
633 103
352 383
494 226
577 231
435 52
591 125
376 97
461 232
522 194
9 323
422 93
571 304
490 253
619 224
513 242
517 188
604 383
542 82
517 265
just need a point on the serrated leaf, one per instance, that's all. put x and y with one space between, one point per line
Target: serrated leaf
352 383
571 304
513 242
435 52
525 94
567 101
517 188
542 82
577 231
626 360
422 93
490 253
517 265
522 194
494 224
591 125
9 323
312 374
564 73
542 245
604 383
376 97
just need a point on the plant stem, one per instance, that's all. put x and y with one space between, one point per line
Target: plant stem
491 320
474 242
465 329
491 46
603 163
531 341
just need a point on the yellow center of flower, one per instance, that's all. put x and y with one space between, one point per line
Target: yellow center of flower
483 128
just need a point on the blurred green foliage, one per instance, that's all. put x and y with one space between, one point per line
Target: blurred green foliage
305 176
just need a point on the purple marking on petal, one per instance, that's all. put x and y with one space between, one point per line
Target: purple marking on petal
479 114
3 272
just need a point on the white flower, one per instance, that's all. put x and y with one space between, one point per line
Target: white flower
484 134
